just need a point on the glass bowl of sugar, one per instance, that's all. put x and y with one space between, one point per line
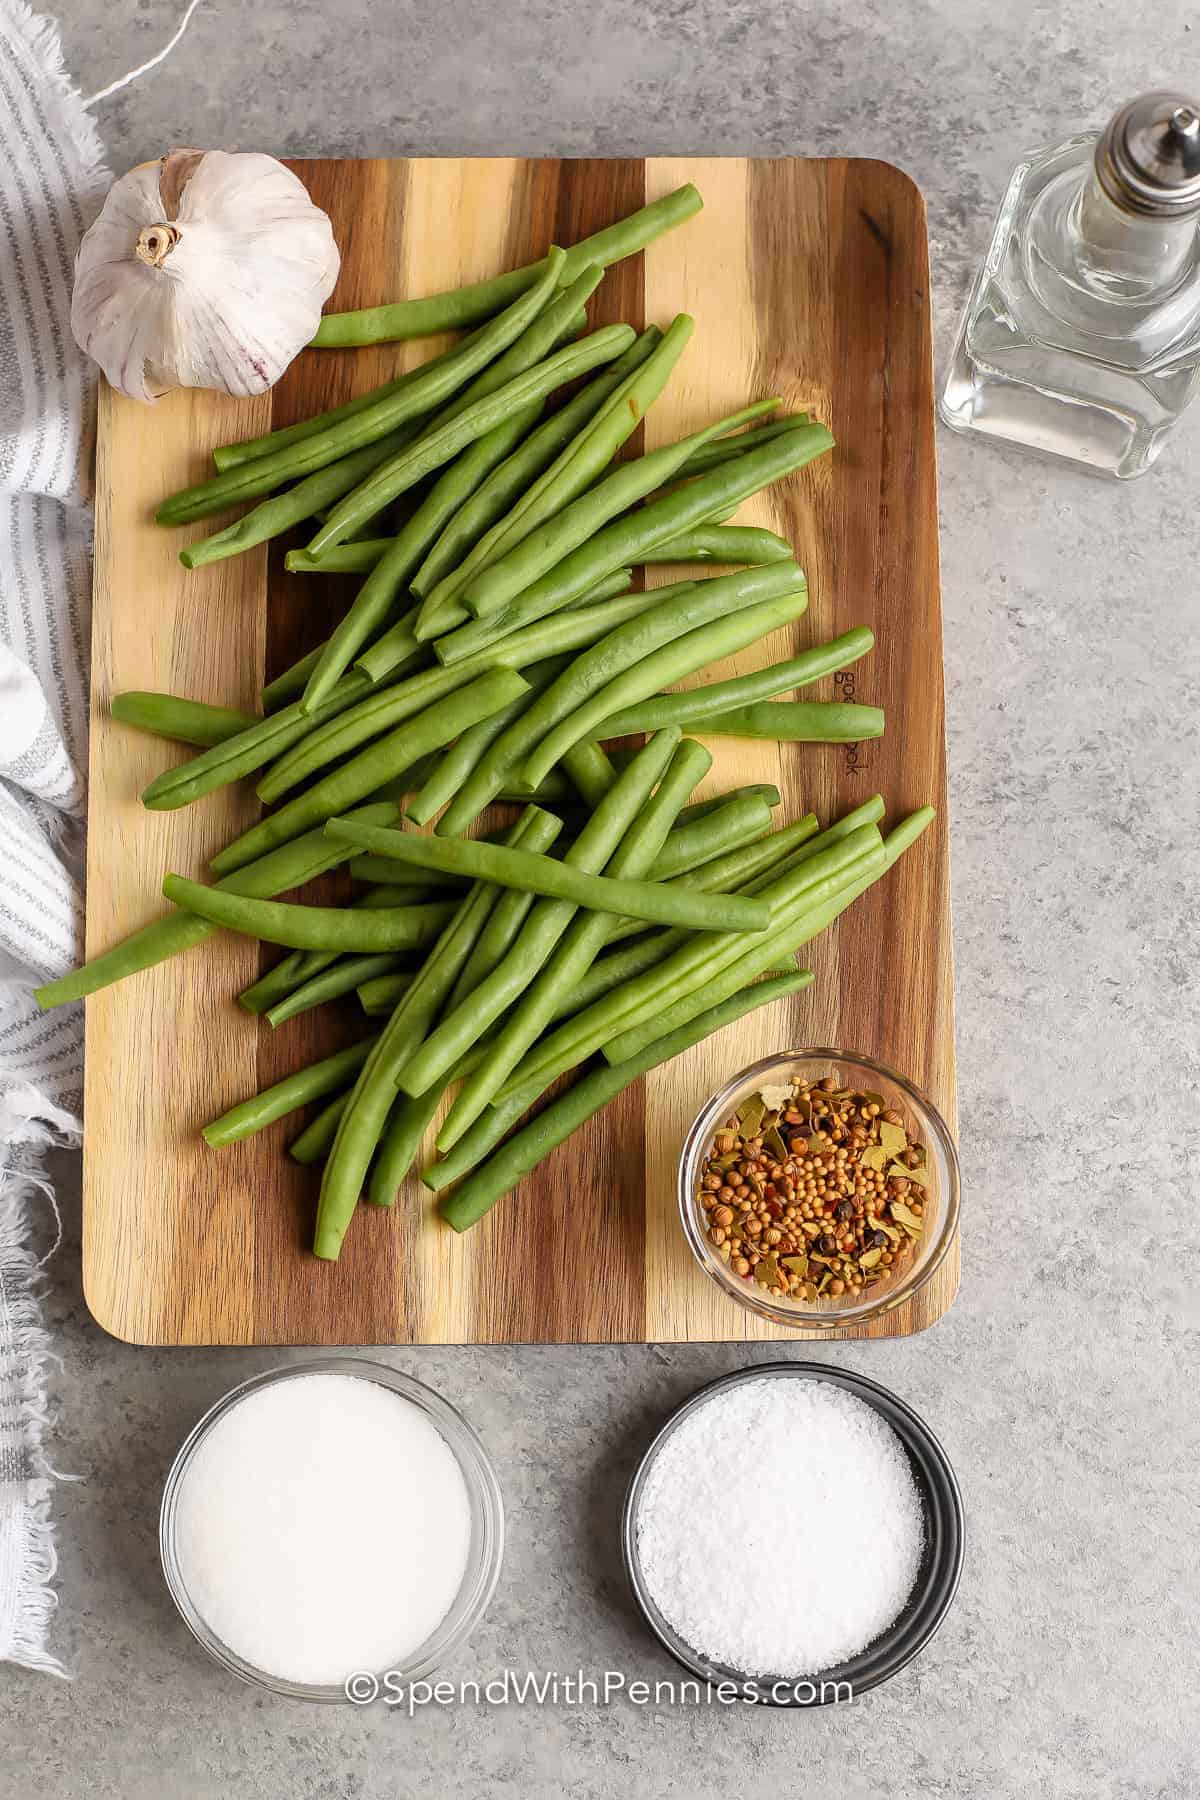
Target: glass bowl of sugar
740 1597
331 1530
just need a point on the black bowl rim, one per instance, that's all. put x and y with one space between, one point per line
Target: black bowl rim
941 1564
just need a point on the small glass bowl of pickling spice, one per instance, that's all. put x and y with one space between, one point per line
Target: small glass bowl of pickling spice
819 1189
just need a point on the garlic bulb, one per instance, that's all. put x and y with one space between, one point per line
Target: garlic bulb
205 269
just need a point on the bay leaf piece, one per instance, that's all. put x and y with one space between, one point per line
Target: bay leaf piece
869 1258
750 1115
920 1176
908 1219
774 1144
893 1138
874 1158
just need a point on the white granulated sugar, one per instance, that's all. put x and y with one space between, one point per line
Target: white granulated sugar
780 1529
323 1526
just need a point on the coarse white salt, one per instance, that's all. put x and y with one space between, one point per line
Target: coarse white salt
780 1530
323 1526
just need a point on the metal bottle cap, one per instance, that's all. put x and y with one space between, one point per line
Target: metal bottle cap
1148 157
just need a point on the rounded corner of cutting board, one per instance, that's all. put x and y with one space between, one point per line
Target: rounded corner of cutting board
109 1309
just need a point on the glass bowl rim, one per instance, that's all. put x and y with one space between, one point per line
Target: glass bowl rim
942 1505
808 1318
484 1494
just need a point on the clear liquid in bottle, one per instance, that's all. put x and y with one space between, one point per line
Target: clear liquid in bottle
1081 335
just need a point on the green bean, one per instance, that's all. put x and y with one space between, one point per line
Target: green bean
278 513
495 941
696 704
187 721
728 449
651 900
492 589
343 977
457 761
700 971
280 980
403 658
744 869
739 823
312 1083
379 996
727 544
754 881
389 573
904 835
341 928
506 917
381 761
230 456
407 1123
535 1141
314 1143
380 870
484 449
434 448
487 1131
546 922
617 967
668 612
590 771
797 722
581 462
626 539
290 682
288 867
563 318
640 848
692 963
365 1117
380 658
301 966
353 558
480 635
390 701
506 484
784 942
430 388
248 751
468 305
700 809
673 661
618 582
410 1115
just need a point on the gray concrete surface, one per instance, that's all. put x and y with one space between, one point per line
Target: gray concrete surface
1063 1382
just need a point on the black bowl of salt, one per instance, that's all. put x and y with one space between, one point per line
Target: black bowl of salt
793 1536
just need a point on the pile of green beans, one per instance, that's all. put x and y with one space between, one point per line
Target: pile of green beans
500 643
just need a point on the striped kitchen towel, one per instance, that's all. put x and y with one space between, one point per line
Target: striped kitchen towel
52 179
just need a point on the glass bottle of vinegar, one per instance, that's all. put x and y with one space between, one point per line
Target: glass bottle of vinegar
1081 335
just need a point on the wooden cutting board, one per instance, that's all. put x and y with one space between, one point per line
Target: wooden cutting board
808 280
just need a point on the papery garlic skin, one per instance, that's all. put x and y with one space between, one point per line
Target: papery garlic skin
220 288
